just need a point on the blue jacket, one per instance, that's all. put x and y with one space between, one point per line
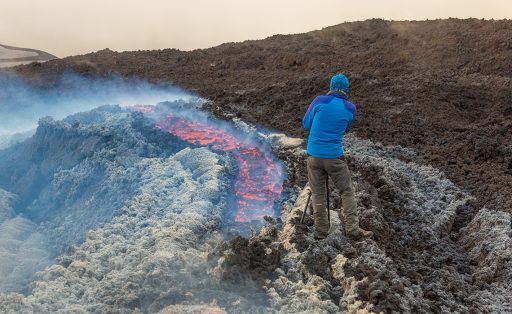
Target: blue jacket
328 118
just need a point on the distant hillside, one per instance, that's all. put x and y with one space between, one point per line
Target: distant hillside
11 56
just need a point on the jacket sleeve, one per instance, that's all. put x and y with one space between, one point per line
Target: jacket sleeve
352 108
307 121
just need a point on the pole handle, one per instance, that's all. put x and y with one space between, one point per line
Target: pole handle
305 208
328 199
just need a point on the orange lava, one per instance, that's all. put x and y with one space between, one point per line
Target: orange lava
259 182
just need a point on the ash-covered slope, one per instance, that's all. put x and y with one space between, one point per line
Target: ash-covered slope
70 177
11 56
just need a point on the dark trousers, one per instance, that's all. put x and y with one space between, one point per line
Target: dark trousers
337 170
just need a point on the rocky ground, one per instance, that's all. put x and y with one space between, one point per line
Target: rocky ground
436 94
421 259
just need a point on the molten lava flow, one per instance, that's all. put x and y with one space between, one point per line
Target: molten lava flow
259 181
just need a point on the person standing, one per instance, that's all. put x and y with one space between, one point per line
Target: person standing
328 118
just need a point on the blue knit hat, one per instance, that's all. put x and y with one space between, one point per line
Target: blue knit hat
340 81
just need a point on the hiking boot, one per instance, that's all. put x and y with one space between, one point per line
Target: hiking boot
320 235
359 234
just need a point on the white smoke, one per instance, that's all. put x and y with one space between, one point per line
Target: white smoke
22 103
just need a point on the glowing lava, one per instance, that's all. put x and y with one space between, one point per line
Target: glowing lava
259 182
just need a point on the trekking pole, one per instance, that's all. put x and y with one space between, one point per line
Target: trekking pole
305 208
328 205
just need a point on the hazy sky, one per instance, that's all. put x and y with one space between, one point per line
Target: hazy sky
68 27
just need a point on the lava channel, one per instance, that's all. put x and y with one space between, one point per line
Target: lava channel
259 182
